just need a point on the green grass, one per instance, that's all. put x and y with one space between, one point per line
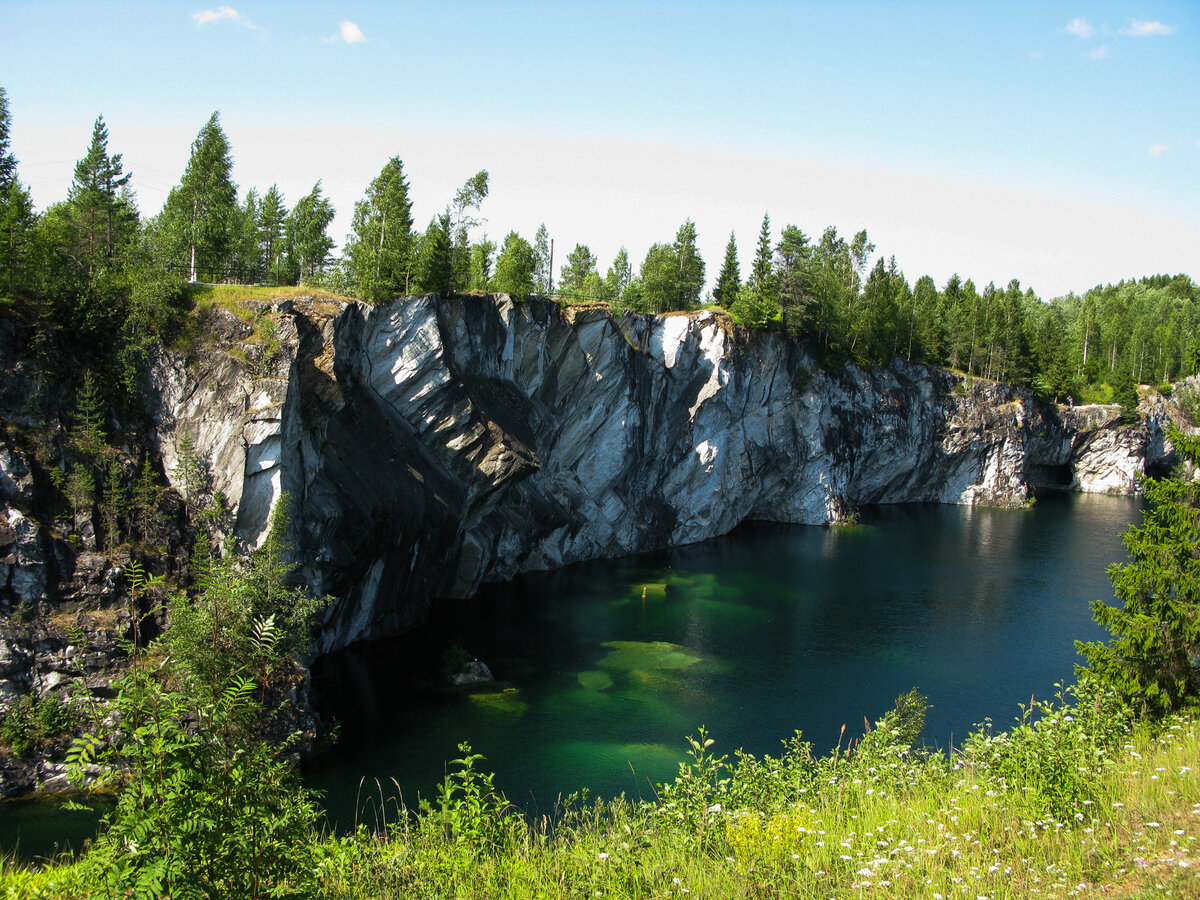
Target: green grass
1073 801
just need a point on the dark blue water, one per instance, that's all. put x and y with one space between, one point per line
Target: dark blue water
605 667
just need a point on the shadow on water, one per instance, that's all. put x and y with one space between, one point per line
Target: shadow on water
773 628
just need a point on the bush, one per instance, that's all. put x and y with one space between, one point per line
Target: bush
33 721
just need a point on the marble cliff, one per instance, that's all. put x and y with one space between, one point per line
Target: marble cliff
431 444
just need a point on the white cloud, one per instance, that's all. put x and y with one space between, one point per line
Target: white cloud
1138 28
1080 28
1100 52
352 34
222 14
1159 149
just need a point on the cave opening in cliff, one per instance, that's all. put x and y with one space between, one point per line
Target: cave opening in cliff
1051 478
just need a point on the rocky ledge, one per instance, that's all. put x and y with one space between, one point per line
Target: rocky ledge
431 444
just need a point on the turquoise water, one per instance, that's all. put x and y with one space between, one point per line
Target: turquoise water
604 667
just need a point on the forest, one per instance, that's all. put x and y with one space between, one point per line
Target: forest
97 276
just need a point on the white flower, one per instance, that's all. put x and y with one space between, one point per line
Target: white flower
603 856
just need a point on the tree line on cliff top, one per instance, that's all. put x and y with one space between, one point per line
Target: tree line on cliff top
93 272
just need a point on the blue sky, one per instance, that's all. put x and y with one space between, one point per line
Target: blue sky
1054 143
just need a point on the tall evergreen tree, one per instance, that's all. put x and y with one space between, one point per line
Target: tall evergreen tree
433 266
380 250
8 162
201 213
791 259
729 281
541 250
16 212
1153 659
99 209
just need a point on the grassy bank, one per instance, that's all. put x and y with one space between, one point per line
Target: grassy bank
1074 800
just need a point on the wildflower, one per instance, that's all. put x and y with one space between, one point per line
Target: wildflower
603 855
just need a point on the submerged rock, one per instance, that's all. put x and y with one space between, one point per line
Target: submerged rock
429 444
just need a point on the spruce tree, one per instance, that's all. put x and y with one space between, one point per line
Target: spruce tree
1153 659
729 281
16 213
434 268
380 250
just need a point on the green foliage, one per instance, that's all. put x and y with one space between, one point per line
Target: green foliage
1153 659
87 436
201 215
729 281
307 243
380 250
34 721
1057 752
434 266
204 808
515 268
470 814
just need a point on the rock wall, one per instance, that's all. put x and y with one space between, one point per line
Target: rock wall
430 445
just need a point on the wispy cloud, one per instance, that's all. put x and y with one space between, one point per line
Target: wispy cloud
350 34
222 14
1138 28
1080 28
1159 149
1100 52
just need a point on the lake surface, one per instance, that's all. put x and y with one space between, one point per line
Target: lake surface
604 667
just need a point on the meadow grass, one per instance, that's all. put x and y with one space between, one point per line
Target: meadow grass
1073 801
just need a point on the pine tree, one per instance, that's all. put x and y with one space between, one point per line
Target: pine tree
99 210
1153 659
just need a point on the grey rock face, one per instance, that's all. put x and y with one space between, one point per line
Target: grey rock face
430 445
